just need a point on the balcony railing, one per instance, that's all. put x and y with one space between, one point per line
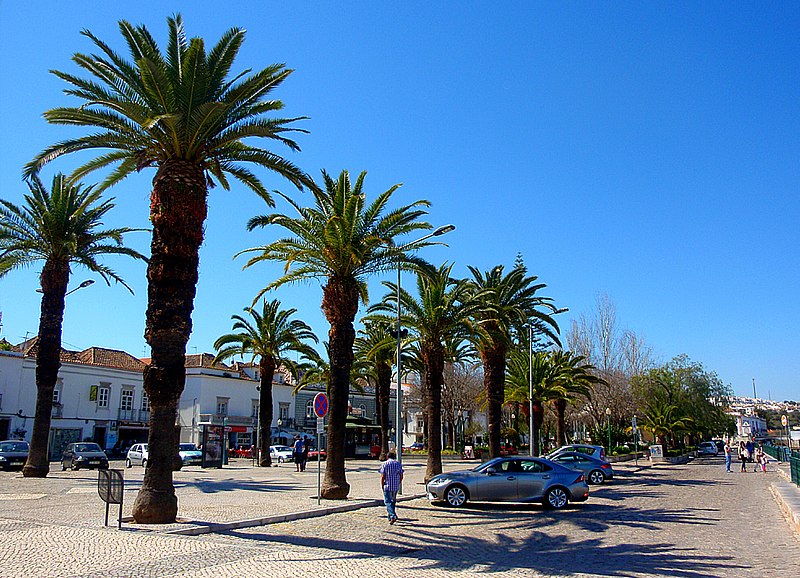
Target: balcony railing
58 410
144 415
217 419
126 415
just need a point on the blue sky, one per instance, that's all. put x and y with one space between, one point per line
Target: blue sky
647 151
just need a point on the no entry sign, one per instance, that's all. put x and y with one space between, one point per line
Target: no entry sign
321 405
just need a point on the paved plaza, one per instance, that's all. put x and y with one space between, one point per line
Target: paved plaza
690 520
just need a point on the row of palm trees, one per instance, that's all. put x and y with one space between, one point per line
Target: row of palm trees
183 113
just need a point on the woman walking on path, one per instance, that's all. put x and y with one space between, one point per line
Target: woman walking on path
744 455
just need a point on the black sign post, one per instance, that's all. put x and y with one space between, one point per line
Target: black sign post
111 487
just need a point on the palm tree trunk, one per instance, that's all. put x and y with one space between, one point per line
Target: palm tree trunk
433 358
561 424
494 370
54 279
177 212
383 389
266 368
340 304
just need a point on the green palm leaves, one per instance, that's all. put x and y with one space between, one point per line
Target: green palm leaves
181 104
272 334
61 225
341 236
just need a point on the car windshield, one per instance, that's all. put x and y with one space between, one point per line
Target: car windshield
282 448
187 448
87 448
14 447
490 464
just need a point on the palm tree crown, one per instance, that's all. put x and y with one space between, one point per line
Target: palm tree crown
60 226
342 236
178 105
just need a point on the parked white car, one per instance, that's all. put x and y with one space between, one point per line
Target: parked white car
137 455
280 454
707 449
190 455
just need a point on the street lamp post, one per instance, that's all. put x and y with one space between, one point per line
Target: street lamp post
608 425
280 439
81 286
530 390
399 400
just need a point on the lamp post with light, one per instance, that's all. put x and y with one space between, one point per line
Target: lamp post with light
81 286
530 390
399 400
608 425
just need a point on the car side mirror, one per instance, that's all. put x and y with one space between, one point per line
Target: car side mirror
490 471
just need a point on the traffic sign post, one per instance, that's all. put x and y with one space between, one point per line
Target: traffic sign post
321 410
785 423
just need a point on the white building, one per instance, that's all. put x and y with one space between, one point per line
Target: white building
100 396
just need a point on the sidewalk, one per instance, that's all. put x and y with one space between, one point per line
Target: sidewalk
788 495
238 495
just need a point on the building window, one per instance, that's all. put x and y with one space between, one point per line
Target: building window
310 408
145 402
254 412
222 405
56 396
126 399
363 410
283 411
102 396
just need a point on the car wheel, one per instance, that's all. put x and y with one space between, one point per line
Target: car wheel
144 463
456 496
596 477
281 460
128 463
556 498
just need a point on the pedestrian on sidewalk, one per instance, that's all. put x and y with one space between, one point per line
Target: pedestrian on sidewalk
304 457
728 456
298 453
744 455
391 477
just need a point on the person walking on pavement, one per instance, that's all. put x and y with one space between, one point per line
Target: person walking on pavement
391 477
298 453
728 456
744 455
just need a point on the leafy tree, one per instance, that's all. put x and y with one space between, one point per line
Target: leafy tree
341 240
270 337
180 112
61 227
438 314
506 301
578 381
695 394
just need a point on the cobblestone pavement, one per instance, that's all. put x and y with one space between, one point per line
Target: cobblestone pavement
690 521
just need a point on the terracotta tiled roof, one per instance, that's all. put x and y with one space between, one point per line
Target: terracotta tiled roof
92 356
110 358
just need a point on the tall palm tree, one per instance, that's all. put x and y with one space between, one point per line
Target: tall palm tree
61 227
578 380
182 113
664 420
507 301
437 315
375 348
341 240
269 337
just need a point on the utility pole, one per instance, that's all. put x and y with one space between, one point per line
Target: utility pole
754 388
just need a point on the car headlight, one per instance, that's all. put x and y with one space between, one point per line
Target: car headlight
2 458
81 458
439 481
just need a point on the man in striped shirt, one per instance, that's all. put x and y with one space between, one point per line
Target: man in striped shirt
391 476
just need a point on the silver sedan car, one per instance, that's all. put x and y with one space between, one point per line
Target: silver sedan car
511 479
597 471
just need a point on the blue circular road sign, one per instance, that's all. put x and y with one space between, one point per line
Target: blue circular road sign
321 405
